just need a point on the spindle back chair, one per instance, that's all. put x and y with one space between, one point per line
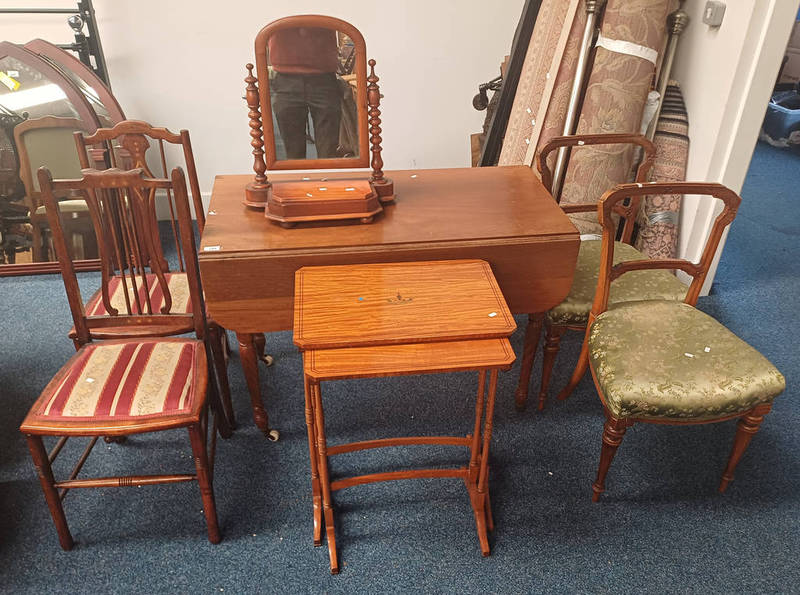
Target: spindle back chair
135 385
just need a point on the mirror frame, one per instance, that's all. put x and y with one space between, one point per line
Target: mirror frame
86 114
70 62
262 72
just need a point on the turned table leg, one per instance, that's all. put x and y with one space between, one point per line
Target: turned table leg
532 332
249 353
324 476
316 488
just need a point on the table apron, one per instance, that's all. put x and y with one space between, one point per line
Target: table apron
253 293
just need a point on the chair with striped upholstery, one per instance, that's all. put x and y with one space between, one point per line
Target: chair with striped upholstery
138 384
127 145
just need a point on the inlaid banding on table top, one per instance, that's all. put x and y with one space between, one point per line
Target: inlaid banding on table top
408 359
407 302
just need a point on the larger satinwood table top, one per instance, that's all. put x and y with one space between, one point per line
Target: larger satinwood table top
433 206
404 302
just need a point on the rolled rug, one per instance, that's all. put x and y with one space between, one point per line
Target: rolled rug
546 68
556 110
659 217
631 35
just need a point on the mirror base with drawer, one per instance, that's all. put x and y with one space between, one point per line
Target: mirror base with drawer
313 106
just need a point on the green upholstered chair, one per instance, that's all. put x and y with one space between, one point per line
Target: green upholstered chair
573 312
663 361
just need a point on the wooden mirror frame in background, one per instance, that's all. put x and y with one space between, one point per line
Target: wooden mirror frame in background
31 57
262 129
70 62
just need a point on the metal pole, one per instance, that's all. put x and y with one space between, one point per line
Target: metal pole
676 23
593 9
96 47
39 10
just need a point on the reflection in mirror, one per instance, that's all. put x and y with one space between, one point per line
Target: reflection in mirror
313 93
49 142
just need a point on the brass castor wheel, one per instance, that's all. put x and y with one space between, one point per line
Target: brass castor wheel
287 224
267 359
273 435
114 439
366 220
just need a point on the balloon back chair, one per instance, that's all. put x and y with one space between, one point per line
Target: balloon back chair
573 312
664 361
139 384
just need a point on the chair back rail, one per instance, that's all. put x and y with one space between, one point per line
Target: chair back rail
133 136
698 271
627 211
123 213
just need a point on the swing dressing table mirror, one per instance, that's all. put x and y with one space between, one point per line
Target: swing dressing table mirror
313 106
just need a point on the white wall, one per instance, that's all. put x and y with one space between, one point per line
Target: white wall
727 75
180 64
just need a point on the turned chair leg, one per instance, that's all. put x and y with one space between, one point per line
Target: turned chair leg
205 481
578 373
553 334
45 472
532 332
745 430
613 432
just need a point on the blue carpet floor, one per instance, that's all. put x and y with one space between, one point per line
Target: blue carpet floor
660 527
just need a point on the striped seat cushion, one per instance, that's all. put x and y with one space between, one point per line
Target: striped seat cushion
125 380
178 290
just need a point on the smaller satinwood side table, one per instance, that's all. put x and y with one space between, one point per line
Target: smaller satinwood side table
362 321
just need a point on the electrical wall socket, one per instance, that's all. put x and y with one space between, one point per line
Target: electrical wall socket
713 13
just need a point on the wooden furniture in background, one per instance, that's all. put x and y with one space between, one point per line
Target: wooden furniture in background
127 386
501 214
573 312
258 193
48 142
106 107
398 319
48 82
663 361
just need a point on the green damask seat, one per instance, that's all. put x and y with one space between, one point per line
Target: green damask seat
573 312
637 285
667 361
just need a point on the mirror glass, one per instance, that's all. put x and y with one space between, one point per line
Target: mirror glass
312 86
25 230
91 95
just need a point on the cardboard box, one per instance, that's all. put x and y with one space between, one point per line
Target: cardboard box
794 39
791 72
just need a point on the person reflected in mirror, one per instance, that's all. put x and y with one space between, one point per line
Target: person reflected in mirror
304 62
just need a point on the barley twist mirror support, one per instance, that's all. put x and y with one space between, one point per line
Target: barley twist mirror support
313 106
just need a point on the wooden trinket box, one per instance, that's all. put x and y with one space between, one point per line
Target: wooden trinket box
292 202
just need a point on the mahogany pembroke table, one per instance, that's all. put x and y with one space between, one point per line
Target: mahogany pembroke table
499 214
